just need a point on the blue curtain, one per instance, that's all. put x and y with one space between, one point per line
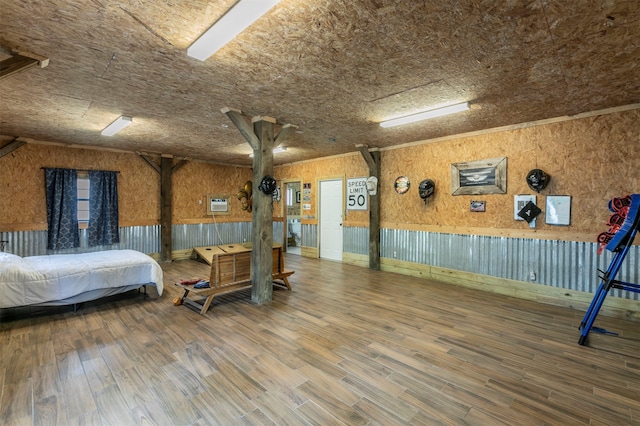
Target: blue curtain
62 215
103 208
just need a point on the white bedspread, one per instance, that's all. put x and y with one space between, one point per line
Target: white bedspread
40 279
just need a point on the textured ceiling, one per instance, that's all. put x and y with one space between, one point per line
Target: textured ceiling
334 68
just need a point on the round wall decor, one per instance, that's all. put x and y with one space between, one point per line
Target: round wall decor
401 184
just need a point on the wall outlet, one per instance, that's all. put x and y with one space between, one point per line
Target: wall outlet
532 276
395 255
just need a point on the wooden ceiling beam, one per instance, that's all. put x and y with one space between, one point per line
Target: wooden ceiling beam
19 62
283 133
10 147
179 164
150 162
368 158
245 129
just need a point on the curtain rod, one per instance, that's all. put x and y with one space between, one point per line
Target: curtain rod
81 170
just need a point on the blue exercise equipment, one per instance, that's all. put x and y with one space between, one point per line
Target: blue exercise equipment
618 241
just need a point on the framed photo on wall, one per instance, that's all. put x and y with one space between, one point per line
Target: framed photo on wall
478 206
479 177
558 210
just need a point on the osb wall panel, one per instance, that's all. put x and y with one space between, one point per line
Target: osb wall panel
22 194
592 160
345 167
194 181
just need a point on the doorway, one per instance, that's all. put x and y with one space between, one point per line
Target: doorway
331 209
292 215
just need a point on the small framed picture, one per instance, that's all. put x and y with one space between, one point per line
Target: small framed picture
477 206
558 210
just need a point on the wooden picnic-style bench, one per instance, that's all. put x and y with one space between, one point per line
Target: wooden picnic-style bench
278 271
231 271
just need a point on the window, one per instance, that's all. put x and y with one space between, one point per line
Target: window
289 197
83 200
72 199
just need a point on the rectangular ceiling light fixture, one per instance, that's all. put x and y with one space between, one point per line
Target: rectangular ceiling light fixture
425 115
237 19
120 123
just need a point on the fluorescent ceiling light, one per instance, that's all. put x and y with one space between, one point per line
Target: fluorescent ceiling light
113 128
275 150
439 112
237 19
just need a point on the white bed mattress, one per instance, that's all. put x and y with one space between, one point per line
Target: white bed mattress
36 280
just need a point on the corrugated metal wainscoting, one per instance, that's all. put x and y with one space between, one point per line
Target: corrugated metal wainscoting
34 243
562 264
208 234
142 238
309 235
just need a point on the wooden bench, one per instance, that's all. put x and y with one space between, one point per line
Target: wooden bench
232 272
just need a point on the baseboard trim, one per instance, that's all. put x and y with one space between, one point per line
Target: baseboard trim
309 251
578 300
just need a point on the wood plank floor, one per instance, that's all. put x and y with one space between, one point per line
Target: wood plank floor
347 346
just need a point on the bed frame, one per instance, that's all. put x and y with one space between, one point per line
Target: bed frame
71 279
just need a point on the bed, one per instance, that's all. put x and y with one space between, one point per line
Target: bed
65 279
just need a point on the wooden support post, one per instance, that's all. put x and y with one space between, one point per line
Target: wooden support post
165 170
262 217
166 198
261 138
372 159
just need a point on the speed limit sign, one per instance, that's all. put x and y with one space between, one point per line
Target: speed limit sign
357 195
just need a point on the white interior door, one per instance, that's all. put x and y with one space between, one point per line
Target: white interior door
331 219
